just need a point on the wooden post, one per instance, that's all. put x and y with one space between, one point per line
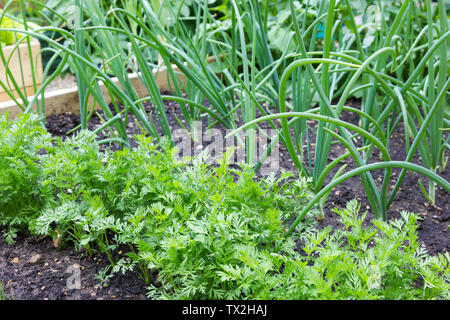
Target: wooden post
67 100
22 74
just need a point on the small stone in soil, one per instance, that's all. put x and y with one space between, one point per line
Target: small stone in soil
36 258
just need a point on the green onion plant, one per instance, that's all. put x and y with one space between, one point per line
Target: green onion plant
393 57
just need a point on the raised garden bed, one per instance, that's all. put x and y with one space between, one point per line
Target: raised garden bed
19 64
434 228
47 278
114 212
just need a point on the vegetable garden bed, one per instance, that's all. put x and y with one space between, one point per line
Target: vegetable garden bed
61 100
24 69
47 278
307 161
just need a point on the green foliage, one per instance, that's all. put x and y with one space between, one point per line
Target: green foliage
211 231
10 21
383 261
198 231
20 170
192 244
304 58
3 295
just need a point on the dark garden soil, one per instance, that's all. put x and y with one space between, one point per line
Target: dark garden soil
34 269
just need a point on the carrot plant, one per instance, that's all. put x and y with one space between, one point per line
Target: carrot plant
8 37
432 145
196 231
20 198
333 51
3 295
